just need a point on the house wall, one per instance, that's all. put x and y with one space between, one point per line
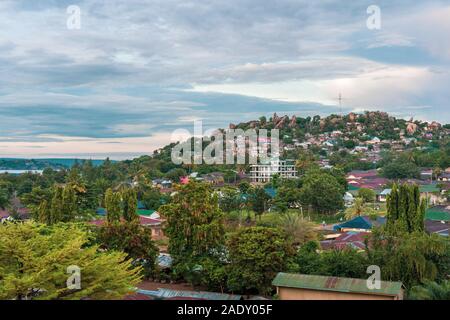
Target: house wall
157 233
305 294
433 199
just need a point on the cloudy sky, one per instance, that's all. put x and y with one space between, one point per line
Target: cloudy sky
138 69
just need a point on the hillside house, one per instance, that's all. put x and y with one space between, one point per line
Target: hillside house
382 196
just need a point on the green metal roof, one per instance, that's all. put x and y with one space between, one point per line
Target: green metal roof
431 188
326 283
437 214
145 212
353 188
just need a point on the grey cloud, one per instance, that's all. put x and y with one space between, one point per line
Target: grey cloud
132 59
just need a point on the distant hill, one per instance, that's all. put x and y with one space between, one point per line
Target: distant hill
41 164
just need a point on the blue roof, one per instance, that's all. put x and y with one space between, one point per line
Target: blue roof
141 205
101 211
271 192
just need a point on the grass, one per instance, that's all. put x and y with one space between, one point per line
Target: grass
237 218
269 219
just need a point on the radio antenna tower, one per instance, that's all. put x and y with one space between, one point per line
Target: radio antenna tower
340 99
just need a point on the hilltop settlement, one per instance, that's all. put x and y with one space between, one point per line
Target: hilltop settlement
350 197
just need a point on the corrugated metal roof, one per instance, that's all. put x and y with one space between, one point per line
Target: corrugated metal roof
198 295
165 260
326 283
355 223
431 188
438 214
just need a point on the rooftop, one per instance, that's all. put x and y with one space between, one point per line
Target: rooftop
326 283
170 294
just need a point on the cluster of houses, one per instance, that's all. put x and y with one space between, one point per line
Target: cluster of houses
429 189
353 232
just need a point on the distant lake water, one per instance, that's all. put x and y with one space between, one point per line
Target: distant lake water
20 171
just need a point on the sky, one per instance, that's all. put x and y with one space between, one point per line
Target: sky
136 70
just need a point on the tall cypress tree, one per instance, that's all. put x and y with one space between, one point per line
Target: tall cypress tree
392 208
69 204
43 212
405 210
56 206
129 205
113 206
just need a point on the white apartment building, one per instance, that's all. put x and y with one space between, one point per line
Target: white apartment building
263 172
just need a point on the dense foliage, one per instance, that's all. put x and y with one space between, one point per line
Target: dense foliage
34 259
131 238
256 255
194 227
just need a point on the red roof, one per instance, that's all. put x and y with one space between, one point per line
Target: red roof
363 174
345 240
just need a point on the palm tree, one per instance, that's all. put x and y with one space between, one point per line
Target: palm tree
431 291
356 210
300 229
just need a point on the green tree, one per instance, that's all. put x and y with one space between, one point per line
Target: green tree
256 255
194 226
34 259
405 210
129 199
55 214
345 262
244 187
368 195
356 210
322 192
230 199
308 259
175 174
63 206
410 257
287 197
69 204
337 262
305 161
6 192
113 204
400 169
152 199
431 291
259 200
298 229
34 199
131 238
